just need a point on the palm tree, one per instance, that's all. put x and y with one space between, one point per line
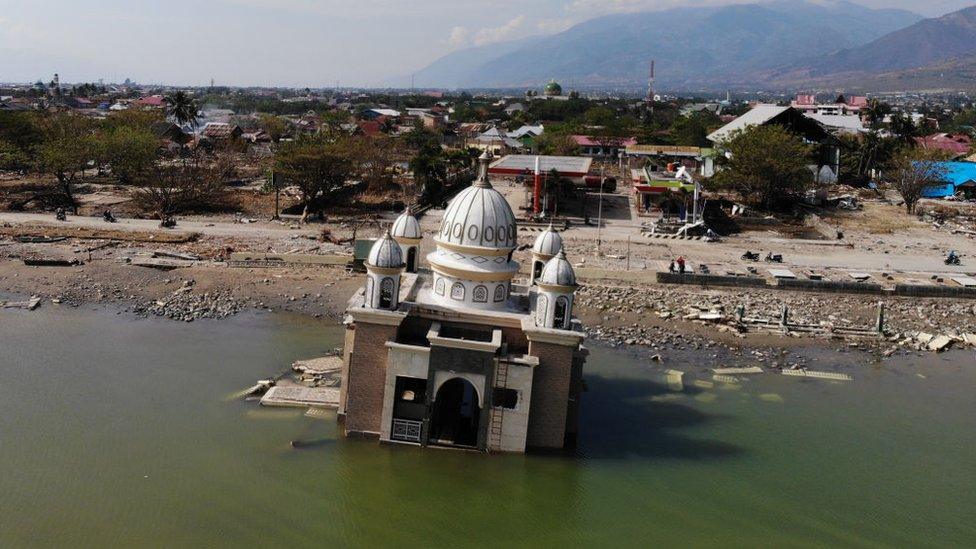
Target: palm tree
182 108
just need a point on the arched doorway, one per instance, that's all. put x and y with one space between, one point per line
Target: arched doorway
456 412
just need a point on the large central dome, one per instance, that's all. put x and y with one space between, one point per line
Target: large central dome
479 216
472 265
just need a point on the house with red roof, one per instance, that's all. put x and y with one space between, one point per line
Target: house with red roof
957 144
601 148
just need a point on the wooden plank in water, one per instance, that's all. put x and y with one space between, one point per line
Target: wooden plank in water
818 375
301 397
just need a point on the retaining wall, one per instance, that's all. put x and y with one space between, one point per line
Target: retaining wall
917 290
829 286
710 280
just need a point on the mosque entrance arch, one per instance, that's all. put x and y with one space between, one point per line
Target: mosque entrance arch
455 416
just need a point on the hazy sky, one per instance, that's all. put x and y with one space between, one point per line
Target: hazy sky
284 42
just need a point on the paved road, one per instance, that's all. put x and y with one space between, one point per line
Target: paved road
214 228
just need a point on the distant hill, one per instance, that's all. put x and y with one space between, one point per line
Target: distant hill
933 53
707 47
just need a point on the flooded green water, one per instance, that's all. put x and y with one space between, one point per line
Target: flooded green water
116 432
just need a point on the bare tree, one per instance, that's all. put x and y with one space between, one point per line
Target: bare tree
913 172
186 184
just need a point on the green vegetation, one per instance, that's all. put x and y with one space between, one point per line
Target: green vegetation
766 166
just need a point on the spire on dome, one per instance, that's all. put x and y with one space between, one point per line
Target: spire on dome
483 161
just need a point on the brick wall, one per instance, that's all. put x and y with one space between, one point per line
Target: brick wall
550 394
366 381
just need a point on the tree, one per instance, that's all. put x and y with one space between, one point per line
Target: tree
913 171
903 128
875 112
862 155
182 108
128 151
693 130
319 172
275 126
766 165
12 157
68 148
193 183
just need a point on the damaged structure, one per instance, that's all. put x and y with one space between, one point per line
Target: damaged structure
456 355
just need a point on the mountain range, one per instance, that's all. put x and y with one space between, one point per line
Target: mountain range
782 43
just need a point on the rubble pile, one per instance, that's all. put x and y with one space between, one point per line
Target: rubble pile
187 306
647 316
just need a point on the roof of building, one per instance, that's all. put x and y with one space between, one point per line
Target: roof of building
592 141
385 253
558 272
150 101
763 114
221 130
494 135
957 144
553 88
849 123
479 216
526 130
517 164
406 226
387 112
665 150
548 243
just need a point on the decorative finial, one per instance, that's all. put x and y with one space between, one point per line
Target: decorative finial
483 161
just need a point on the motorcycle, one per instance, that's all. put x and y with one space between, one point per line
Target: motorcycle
108 217
703 269
60 215
167 223
750 256
952 259
773 258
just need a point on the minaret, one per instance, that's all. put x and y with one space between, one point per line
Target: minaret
384 266
556 289
546 246
406 231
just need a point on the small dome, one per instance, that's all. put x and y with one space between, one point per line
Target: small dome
479 216
553 88
548 243
558 272
385 254
406 226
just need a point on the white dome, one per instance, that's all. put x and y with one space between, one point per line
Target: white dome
548 243
406 226
558 272
479 216
385 254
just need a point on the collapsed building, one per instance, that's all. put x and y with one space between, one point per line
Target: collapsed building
456 355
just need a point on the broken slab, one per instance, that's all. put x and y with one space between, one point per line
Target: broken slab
176 255
781 273
301 397
940 343
835 376
162 264
964 281
33 303
859 276
737 371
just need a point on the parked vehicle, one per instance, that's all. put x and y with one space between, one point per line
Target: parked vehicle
773 258
750 256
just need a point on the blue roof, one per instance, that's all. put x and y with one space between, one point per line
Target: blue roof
957 174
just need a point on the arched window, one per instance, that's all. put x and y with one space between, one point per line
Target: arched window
439 286
457 291
562 306
537 269
499 293
412 259
541 304
480 294
386 293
